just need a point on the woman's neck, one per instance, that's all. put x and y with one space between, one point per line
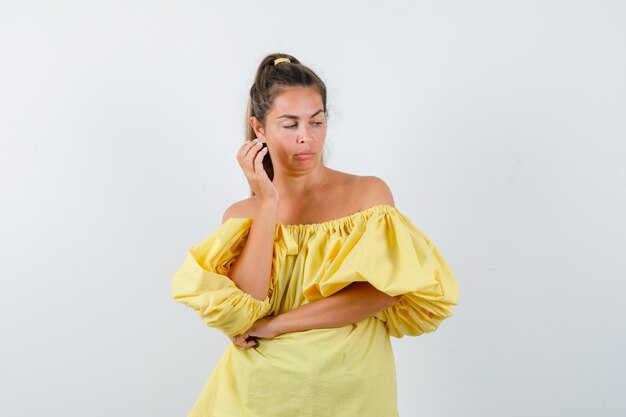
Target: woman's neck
303 185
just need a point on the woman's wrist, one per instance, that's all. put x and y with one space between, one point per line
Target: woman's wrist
275 326
267 206
268 201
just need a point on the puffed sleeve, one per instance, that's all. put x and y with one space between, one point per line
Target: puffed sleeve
202 282
397 258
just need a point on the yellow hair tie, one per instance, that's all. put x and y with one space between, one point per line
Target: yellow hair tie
279 60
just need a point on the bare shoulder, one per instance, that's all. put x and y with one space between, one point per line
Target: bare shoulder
374 191
239 209
362 190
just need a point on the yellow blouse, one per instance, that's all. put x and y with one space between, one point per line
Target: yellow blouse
345 371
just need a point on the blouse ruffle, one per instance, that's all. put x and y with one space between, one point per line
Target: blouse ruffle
379 245
202 281
387 250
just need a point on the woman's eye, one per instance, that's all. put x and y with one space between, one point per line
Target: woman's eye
289 127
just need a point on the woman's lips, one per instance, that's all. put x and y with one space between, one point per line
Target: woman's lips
304 156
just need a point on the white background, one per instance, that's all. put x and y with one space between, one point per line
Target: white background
499 126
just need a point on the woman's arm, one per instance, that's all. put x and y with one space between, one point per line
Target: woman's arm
355 302
251 270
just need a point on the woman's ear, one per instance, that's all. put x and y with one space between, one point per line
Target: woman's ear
258 128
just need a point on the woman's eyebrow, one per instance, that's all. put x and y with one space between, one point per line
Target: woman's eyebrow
291 116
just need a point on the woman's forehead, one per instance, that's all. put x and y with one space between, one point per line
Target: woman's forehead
301 101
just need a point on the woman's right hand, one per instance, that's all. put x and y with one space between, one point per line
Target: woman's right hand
244 342
250 158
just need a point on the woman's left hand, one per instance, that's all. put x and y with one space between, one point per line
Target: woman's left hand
262 328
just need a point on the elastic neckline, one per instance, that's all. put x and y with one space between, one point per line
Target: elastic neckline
340 221
378 208
367 212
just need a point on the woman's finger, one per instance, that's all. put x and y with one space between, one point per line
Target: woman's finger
246 160
252 152
244 157
243 341
258 160
237 340
248 145
245 148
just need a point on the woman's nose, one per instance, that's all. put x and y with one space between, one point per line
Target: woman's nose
303 135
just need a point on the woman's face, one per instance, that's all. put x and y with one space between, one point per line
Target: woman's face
295 124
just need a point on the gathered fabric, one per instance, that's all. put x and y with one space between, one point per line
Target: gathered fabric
344 371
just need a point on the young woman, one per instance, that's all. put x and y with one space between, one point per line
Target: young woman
312 274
